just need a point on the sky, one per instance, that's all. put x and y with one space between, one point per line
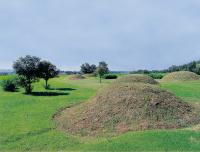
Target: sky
127 34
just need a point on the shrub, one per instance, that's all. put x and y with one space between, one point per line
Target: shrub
110 76
157 75
9 84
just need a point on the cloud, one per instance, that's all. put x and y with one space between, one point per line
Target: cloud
128 34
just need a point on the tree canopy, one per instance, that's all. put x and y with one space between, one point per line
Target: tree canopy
102 69
86 68
27 68
46 71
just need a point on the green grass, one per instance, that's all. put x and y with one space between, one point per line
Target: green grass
188 91
26 122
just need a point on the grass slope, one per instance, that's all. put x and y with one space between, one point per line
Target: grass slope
26 121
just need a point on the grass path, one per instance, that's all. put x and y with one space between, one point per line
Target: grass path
26 121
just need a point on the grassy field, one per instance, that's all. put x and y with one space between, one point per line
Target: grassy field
26 122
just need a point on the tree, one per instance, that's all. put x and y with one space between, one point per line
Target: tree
174 68
197 70
191 66
102 69
27 69
46 71
87 68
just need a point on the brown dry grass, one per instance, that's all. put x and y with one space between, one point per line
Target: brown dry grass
76 77
123 107
181 76
135 78
90 75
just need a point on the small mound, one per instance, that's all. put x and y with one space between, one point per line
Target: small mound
181 76
141 78
90 75
123 107
76 77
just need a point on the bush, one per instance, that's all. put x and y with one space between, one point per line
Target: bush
9 84
157 75
110 76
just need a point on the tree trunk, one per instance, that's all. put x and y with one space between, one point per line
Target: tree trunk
46 84
28 90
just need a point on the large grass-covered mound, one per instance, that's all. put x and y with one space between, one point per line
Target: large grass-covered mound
137 78
123 107
181 76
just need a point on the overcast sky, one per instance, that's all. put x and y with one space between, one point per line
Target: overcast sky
127 34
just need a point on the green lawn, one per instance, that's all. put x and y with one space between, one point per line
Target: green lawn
26 122
188 91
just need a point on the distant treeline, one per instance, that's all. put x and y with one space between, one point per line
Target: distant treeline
6 73
69 72
79 72
193 66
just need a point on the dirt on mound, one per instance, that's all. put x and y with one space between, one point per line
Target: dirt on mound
181 76
76 77
123 107
141 78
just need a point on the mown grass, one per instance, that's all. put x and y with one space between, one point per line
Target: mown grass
26 122
188 91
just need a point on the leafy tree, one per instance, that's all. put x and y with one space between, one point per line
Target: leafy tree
27 68
174 68
46 71
87 68
102 69
191 66
197 70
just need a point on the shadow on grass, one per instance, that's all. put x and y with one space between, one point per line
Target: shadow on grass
29 134
15 90
49 93
62 89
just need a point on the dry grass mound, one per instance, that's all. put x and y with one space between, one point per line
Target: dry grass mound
90 75
123 107
76 77
135 78
181 76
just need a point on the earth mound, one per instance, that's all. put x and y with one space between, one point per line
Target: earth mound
141 78
76 77
181 76
123 107
90 75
